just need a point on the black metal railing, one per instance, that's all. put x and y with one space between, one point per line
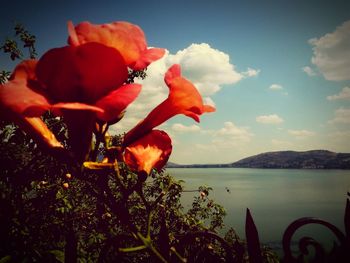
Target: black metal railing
199 246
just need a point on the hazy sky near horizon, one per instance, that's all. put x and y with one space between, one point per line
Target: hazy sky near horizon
278 72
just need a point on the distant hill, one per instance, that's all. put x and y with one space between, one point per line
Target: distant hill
173 165
316 159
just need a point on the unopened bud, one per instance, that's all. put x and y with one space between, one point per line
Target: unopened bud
65 185
203 194
68 176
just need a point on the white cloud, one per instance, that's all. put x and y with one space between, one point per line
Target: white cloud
301 133
339 140
208 101
178 127
342 115
331 53
231 133
269 119
309 71
343 95
340 135
207 68
275 87
251 72
225 144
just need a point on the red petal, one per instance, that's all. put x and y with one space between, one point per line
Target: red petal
81 74
127 38
18 100
147 57
117 101
25 70
16 95
150 151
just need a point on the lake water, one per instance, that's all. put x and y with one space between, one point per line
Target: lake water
275 197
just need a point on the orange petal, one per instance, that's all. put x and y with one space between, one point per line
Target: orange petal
147 57
150 151
173 72
81 74
183 99
21 104
73 38
39 131
117 101
127 38
25 70
75 106
17 97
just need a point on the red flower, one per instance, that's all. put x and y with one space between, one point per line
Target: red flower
125 37
150 151
183 99
21 102
91 73
78 82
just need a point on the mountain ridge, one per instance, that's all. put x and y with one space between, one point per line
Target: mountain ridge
313 159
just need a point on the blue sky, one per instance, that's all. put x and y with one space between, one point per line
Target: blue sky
278 72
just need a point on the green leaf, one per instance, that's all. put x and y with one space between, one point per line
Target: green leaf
59 255
5 259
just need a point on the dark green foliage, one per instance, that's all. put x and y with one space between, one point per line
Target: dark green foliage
141 74
11 46
39 212
4 76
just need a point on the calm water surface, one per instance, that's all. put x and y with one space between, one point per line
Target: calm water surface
275 197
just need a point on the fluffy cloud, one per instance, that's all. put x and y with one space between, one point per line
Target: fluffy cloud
178 127
309 71
269 119
343 95
275 87
340 140
340 135
251 72
342 115
331 53
208 101
301 133
224 144
207 68
232 133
